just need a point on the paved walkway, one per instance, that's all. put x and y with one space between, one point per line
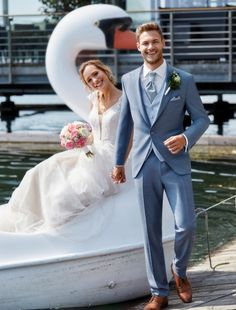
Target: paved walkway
30 141
208 147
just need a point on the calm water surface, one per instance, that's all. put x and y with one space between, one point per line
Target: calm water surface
212 182
53 120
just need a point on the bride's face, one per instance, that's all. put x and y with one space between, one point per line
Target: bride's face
95 78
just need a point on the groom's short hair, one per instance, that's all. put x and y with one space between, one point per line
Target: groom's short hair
148 27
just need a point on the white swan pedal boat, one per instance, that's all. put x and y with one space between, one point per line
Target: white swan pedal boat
98 257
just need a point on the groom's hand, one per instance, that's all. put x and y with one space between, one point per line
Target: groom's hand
118 174
175 143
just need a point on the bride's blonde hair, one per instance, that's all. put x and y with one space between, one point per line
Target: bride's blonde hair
100 65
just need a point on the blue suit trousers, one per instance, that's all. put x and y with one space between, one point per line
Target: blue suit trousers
155 177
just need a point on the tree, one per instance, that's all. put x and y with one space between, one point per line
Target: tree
61 7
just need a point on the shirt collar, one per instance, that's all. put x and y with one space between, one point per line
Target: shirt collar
161 70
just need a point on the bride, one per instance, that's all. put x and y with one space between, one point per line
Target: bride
68 183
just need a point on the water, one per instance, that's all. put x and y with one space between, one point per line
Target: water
54 121
212 182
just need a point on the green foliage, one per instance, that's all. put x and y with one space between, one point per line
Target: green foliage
56 9
61 7
53 7
175 80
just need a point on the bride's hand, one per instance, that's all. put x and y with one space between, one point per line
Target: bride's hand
118 175
90 139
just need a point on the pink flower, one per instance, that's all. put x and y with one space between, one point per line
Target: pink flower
69 145
81 142
74 133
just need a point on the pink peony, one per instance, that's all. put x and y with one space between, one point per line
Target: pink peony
81 142
69 145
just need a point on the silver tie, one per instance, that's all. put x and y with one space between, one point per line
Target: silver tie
151 87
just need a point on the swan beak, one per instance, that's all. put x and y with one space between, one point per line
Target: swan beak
124 39
117 32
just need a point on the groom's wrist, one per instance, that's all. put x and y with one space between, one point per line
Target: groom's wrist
119 166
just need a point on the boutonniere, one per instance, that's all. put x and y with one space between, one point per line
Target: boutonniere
174 82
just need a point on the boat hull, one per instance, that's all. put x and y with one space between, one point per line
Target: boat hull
77 281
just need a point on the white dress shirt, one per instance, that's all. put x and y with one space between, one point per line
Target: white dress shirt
160 77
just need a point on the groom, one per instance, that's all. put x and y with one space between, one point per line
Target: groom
156 97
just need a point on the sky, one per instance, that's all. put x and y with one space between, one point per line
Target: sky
22 6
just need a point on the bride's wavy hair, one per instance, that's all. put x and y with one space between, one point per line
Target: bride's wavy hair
100 65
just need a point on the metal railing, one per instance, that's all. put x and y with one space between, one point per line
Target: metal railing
23 42
205 212
202 41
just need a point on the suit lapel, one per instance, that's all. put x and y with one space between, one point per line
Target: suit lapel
139 93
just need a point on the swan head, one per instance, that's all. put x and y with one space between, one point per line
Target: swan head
91 27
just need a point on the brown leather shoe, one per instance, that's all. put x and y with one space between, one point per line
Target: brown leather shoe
183 287
157 303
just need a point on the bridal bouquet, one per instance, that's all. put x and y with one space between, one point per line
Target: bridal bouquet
77 135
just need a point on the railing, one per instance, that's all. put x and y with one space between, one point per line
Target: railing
202 41
24 38
23 42
229 201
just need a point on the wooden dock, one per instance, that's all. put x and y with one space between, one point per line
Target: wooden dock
212 289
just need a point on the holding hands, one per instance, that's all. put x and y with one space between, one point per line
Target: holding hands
118 174
174 144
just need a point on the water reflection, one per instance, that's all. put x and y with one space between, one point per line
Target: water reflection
212 182
217 183
12 170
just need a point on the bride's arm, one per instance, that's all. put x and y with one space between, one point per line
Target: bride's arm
90 138
90 105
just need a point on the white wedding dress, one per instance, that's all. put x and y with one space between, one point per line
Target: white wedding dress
67 219
68 184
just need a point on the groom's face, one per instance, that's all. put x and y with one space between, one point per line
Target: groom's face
151 46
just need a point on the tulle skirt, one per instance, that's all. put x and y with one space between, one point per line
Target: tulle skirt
60 188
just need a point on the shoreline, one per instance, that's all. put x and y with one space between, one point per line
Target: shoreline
214 147
209 147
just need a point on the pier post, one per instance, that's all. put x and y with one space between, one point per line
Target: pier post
9 112
222 113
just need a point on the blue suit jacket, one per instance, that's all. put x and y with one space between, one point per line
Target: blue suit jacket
169 121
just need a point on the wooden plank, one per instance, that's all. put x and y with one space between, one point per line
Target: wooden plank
212 290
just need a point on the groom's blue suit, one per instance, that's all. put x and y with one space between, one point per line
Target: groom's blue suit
156 169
